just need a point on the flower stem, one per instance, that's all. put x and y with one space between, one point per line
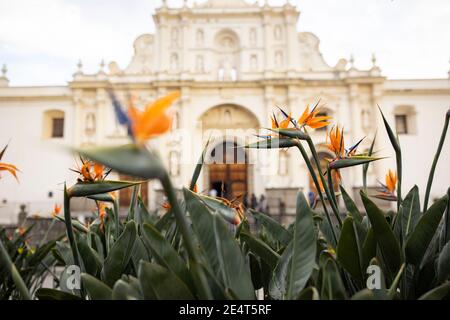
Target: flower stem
18 281
68 221
331 185
187 236
116 217
325 186
317 185
435 161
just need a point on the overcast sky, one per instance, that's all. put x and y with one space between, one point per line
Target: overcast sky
42 40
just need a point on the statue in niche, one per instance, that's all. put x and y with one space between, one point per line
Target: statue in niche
175 37
253 37
90 126
174 62
253 62
279 59
277 33
365 118
227 116
200 38
200 66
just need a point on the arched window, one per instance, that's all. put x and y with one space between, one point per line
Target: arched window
53 126
405 120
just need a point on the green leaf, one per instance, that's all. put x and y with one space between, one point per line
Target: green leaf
96 289
291 133
52 294
398 156
161 284
309 293
349 253
261 249
234 271
91 261
304 248
369 250
366 294
393 289
275 143
353 161
203 225
199 166
139 252
443 264
119 255
438 293
276 230
103 197
351 206
218 206
366 166
332 286
127 288
85 189
410 212
278 284
389 245
129 159
165 254
421 236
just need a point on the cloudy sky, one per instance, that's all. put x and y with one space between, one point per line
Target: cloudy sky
42 40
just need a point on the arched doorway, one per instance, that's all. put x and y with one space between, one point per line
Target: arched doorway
228 170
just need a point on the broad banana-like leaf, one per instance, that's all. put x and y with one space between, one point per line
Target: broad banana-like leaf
332 285
349 253
96 289
165 255
275 229
131 159
127 288
443 264
234 271
304 248
351 206
119 256
410 212
387 242
437 293
421 236
160 283
91 261
261 249
309 293
53 294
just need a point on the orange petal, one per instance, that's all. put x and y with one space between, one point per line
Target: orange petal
305 115
318 125
148 124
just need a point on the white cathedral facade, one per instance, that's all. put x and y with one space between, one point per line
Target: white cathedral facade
233 63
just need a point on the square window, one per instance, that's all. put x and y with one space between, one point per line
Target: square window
58 128
401 124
